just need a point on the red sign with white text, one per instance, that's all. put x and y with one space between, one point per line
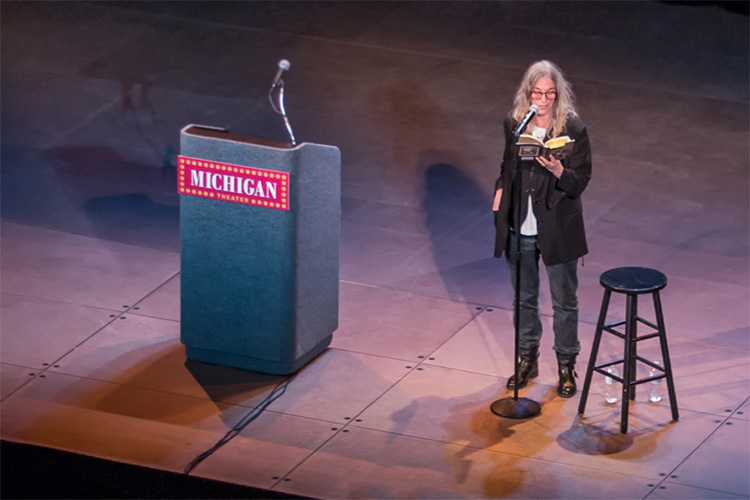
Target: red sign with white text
233 183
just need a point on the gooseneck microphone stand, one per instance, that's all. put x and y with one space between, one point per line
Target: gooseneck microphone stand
516 407
278 84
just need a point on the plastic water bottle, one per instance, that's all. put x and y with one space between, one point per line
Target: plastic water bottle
612 391
655 394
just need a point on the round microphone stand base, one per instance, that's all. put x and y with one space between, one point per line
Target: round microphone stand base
516 408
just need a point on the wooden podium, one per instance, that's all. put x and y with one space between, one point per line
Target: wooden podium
260 231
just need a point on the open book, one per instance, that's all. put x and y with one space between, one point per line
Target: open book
529 147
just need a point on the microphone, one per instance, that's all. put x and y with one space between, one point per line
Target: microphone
278 83
533 109
283 66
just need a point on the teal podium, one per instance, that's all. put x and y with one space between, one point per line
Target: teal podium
260 231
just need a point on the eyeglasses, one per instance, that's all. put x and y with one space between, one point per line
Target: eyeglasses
550 94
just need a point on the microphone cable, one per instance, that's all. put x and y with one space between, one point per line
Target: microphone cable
256 412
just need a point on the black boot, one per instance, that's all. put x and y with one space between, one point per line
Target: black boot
528 368
566 368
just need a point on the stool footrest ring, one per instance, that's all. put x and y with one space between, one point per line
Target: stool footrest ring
610 375
614 332
647 323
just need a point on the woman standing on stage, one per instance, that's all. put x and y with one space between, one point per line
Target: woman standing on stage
551 218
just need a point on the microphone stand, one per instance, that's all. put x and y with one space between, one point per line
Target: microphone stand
280 108
516 407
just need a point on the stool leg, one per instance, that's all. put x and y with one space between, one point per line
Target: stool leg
631 313
594 351
665 356
633 317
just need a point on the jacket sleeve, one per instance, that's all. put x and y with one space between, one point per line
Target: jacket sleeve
509 152
577 167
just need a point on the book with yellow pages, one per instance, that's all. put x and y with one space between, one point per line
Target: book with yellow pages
529 147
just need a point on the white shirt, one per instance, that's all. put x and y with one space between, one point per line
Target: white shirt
528 227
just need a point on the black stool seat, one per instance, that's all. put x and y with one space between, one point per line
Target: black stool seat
631 281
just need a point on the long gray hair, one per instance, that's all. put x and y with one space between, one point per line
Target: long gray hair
564 103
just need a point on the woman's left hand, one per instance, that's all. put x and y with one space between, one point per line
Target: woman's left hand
554 166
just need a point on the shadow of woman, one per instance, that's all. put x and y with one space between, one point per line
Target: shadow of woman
455 207
510 441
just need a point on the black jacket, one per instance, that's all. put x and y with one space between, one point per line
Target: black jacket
557 204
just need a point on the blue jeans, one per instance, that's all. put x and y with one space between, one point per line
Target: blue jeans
563 284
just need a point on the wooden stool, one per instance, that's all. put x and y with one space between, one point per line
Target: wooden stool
632 281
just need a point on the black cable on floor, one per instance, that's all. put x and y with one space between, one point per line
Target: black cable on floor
256 412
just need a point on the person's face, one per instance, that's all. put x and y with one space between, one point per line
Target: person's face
543 94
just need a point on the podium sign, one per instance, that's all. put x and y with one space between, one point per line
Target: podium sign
233 183
260 232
